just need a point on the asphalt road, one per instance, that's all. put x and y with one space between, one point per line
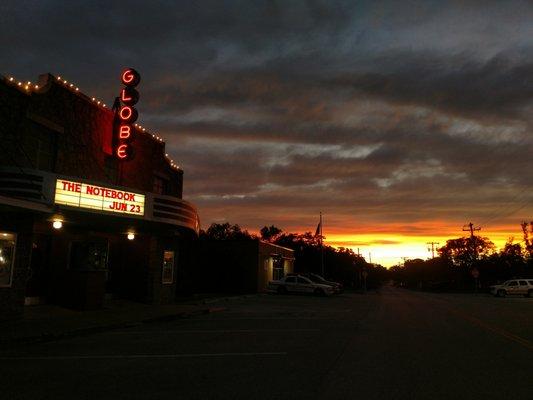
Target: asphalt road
394 344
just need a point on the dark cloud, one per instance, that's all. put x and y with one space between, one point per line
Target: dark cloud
502 84
387 116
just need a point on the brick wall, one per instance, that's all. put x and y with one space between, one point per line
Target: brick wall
80 129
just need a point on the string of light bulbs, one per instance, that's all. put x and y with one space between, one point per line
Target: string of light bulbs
28 87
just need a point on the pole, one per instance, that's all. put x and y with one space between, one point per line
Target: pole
321 247
471 229
433 244
359 272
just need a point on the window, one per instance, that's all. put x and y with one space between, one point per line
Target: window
161 185
512 283
168 267
523 283
277 264
290 279
7 256
303 280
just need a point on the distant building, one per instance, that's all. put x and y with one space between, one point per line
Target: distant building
239 266
76 221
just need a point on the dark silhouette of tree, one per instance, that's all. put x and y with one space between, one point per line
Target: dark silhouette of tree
452 270
512 252
464 251
226 231
528 237
270 233
342 265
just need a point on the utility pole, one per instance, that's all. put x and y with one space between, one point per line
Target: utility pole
433 245
370 257
321 246
471 229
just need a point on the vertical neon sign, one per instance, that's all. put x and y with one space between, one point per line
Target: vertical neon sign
126 114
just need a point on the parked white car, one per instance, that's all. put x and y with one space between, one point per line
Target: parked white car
337 287
299 284
523 287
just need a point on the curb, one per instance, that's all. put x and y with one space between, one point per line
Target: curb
49 337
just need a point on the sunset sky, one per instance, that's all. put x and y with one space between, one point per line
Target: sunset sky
401 121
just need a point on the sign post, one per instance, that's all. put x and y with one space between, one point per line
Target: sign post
475 275
364 274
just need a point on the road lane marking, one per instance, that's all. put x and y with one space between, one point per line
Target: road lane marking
142 356
494 329
273 319
213 331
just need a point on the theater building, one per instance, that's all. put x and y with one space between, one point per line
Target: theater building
90 204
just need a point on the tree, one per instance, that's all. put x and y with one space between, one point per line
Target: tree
270 233
464 251
512 252
226 231
528 237
342 265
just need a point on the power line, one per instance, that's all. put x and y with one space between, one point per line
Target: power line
503 210
512 211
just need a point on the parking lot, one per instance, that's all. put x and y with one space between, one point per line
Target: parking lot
394 344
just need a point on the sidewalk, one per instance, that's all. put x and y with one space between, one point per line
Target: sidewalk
49 322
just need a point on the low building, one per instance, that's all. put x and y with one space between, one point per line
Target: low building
239 266
78 220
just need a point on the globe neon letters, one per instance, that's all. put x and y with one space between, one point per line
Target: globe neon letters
127 114
130 77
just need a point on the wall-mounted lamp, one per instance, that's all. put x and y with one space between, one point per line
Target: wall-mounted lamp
57 224
131 236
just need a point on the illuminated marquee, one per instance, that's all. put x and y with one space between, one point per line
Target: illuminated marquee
94 197
126 114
